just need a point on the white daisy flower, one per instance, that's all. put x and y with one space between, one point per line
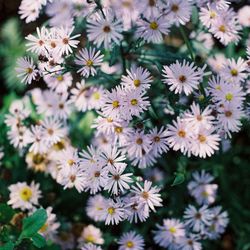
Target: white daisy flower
148 195
190 243
234 71
95 206
197 219
88 60
50 227
117 180
153 29
131 241
137 78
74 177
90 234
219 223
90 246
38 44
134 103
24 196
170 233
66 41
138 144
26 70
53 131
105 30
205 143
159 141
183 77
178 11
113 212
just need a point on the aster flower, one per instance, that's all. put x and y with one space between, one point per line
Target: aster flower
117 180
66 40
159 141
197 219
234 71
138 143
153 29
88 60
38 44
219 222
53 131
74 177
148 195
178 11
183 77
170 233
201 188
26 70
190 243
90 234
24 196
137 78
113 212
105 30
131 241
95 206
50 227
90 246
205 143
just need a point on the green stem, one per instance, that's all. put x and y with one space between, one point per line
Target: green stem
187 43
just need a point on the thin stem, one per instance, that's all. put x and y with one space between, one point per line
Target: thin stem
187 43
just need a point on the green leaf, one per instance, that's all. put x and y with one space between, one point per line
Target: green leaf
8 246
6 213
179 178
33 223
38 240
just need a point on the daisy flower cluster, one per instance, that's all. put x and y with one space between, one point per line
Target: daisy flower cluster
198 223
110 96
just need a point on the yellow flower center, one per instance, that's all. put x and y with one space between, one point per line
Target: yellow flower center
96 95
229 97
201 97
26 194
202 138
182 133
29 70
44 228
38 159
71 162
115 104
118 130
137 83
130 244
154 26
234 72
111 210
89 63
109 120
212 14
59 78
172 230
145 195
222 28
134 102
139 141
218 87
90 238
